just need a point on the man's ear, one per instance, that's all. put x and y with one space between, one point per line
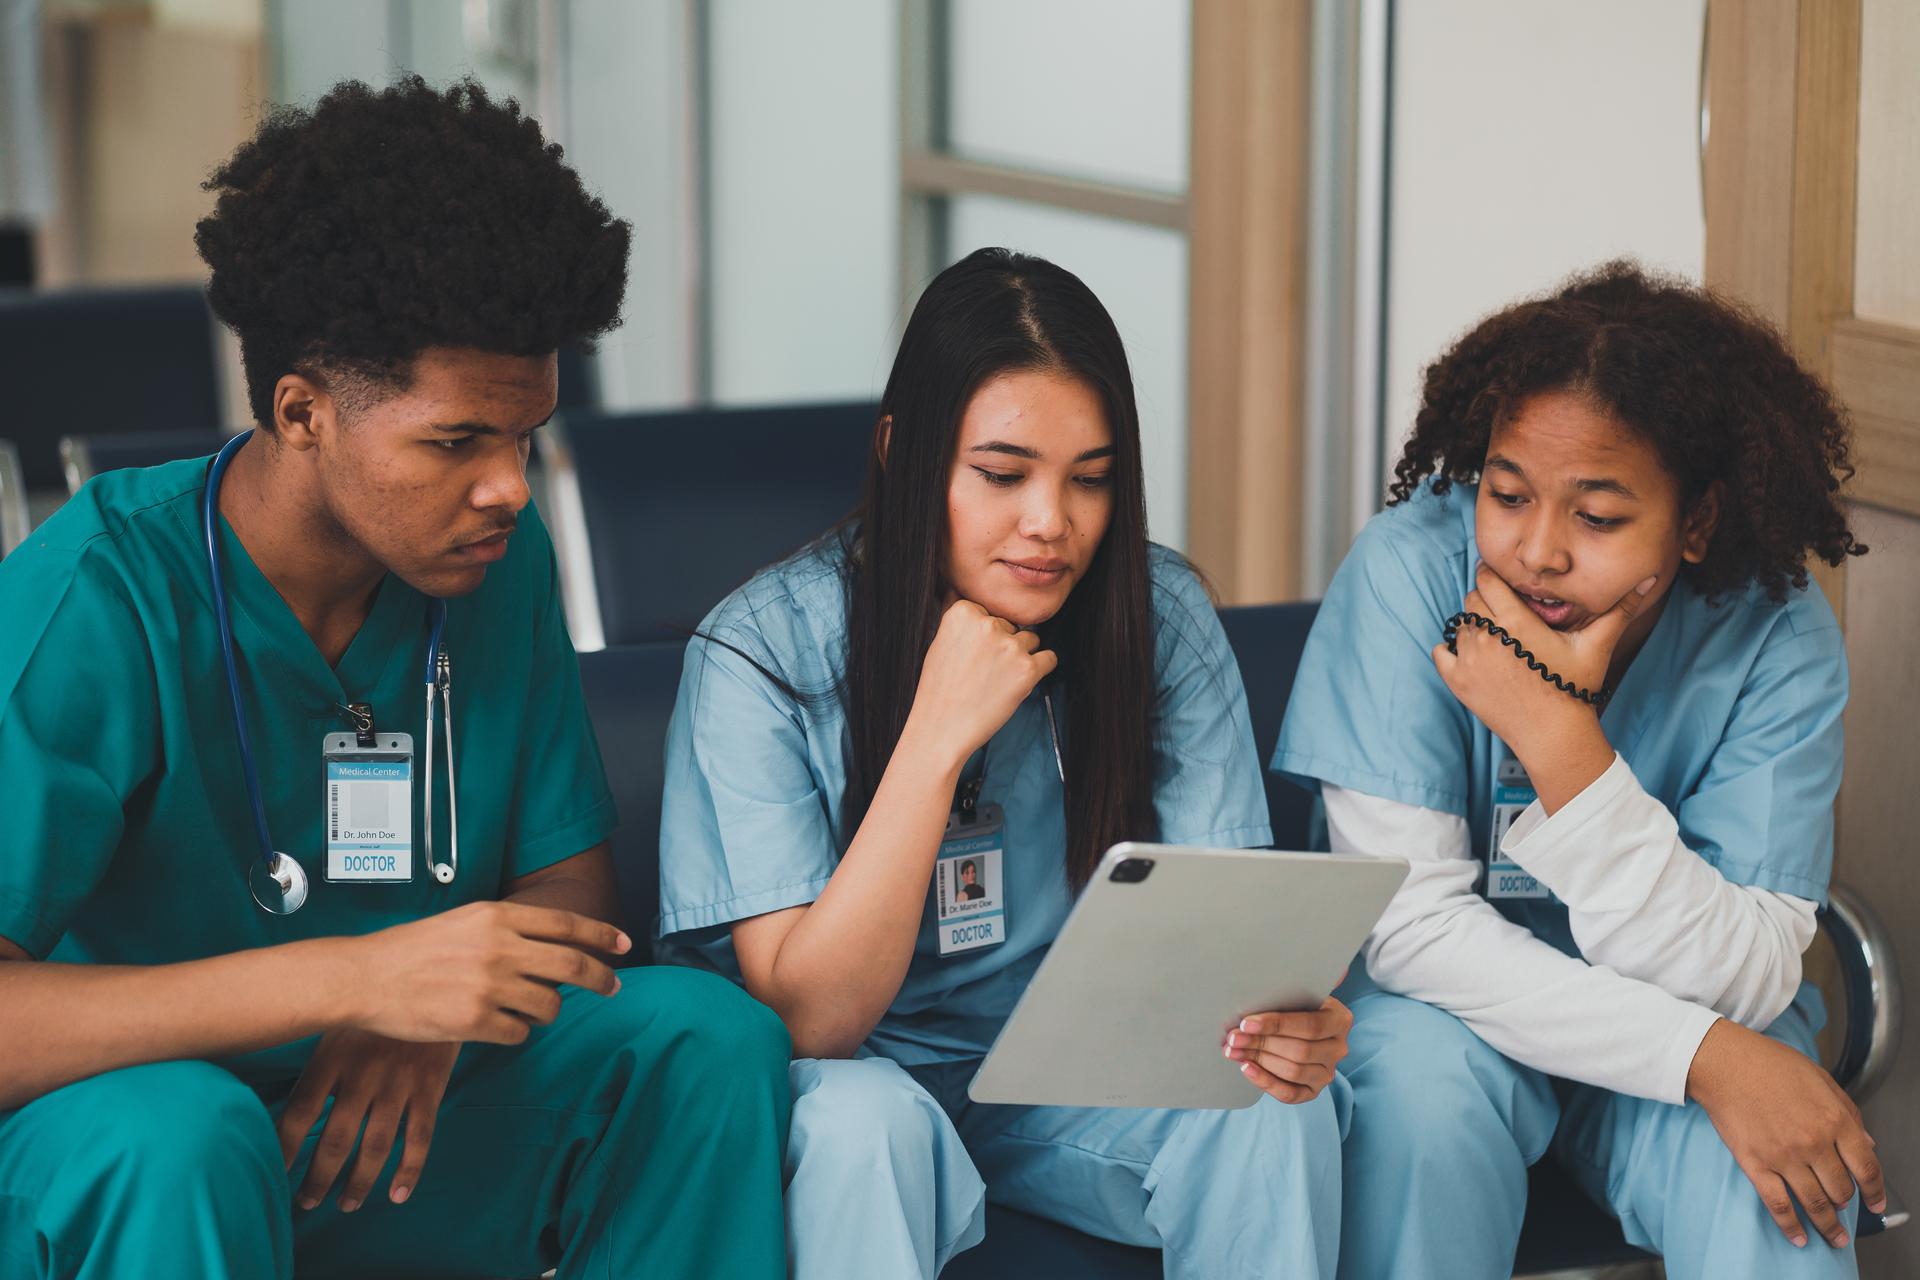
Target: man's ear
882 437
302 411
1696 534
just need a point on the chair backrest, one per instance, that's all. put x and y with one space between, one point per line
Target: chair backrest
86 456
630 690
67 359
680 508
1267 640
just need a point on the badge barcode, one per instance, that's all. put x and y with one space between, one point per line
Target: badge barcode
333 811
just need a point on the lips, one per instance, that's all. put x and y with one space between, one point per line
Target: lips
1036 573
1552 610
486 550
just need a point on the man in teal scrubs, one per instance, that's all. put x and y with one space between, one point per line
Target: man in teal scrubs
403 1076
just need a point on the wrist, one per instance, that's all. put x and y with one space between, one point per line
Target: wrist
1703 1075
931 747
336 967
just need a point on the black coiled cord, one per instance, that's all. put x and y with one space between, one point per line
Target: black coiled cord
1597 699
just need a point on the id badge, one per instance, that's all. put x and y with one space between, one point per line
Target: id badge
1512 794
369 809
969 892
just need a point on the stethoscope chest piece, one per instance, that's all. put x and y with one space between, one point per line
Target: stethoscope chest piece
280 888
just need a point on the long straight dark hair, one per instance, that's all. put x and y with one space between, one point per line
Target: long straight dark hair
991 313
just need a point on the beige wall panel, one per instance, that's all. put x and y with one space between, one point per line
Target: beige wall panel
1887 256
164 106
1879 814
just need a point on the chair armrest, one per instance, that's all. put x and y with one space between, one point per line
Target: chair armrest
1870 980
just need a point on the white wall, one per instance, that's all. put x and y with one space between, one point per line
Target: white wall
804 137
1531 138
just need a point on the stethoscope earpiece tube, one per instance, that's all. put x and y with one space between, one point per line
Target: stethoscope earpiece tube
278 883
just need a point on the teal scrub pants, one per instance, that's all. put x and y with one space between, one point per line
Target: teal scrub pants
639 1135
882 1179
1444 1128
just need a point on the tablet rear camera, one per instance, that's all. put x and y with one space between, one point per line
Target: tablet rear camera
1131 870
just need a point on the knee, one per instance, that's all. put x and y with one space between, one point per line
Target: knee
704 1018
861 1112
176 1125
1422 1075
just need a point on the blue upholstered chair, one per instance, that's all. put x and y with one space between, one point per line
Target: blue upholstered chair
678 508
103 360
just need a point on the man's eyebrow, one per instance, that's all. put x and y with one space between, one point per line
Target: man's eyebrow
484 428
1021 451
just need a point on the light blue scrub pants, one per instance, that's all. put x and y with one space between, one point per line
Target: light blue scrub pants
638 1135
1444 1128
882 1178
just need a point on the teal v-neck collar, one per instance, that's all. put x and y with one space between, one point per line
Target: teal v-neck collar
264 624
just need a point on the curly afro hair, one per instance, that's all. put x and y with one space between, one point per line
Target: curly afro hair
1711 386
348 238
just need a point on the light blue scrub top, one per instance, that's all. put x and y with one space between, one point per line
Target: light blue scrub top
752 821
1729 714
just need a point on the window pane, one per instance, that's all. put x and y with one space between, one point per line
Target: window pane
1086 88
1140 274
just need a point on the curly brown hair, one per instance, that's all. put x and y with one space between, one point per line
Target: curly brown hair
1709 384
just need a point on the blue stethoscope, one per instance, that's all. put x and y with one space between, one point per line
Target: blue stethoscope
278 882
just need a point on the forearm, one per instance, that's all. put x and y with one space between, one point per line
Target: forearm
1440 942
584 883
65 1022
1642 902
842 963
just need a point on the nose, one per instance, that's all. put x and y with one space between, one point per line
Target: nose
503 485
1542 548
1044 518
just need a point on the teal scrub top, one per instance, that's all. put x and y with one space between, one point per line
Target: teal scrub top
128 832
1729 715
752 817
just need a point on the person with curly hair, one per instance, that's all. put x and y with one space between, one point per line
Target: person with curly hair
1576 674
200 1081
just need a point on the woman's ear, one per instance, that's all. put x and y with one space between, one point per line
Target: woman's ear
882 436
1696 534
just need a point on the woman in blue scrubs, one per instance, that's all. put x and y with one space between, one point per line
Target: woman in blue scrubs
989 664
1619 841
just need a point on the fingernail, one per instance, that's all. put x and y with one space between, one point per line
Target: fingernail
1248 1024
348 1206
623 944
400 1194
1840 1241
1246 1069
616 982
1799 1242
1646 586
307 1202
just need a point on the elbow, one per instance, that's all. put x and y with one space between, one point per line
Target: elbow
816 1031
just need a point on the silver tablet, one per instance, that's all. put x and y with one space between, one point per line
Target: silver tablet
1164 953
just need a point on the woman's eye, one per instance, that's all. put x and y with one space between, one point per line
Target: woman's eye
999 479
1507 499
1100 481
1602 522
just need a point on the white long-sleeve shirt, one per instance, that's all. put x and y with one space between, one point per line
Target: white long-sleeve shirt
1670 945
